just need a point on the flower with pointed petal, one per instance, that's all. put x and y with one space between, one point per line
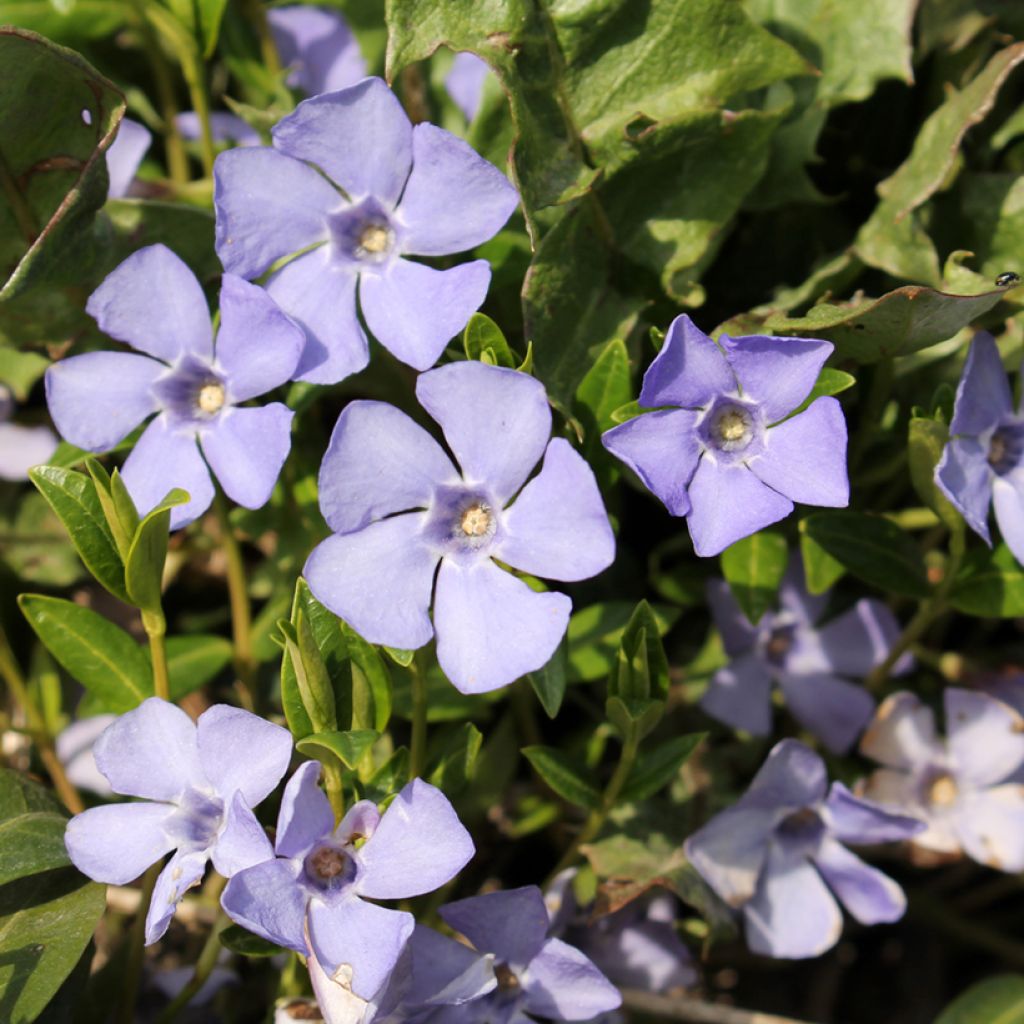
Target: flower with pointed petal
399 507
807 662
322 878
350 189
719 449
317 47
776 854
153 302
199 782
983 463
961 786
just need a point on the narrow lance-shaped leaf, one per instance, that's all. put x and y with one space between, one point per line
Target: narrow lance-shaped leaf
564 777
144 568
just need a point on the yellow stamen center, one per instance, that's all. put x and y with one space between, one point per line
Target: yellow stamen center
476 521
731 426
374 239
327 863
211 398
942 792
507 981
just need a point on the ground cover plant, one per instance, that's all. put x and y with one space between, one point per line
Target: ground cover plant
511 510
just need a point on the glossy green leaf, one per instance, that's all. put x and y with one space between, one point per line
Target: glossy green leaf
399 657
872 548
753 567
456 761
239 940
370 683
121 532
144 568
100 655
389 778
32 826
483 340
550 681
641 670
634 718
656 767
595 633
567 779
998 1000
202 18
829 382
73 498
821 570
605 388
20 370
347 747
990 584
195 660
312 683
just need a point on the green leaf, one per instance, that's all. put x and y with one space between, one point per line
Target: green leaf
54 172
565 778
483 340
990 584
655 769
20 370
144 568
73 498
829 382
195 660
595 633
202 18
370 683
389 778
100 655
457 761
998 1000
926 440
550 681
605 388
399 657
872 548
347 747
239 940
634 719
31 829
309 672
642 668
753 568
46 921
121 531
821 570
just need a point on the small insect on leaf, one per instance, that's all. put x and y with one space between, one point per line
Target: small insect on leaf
1007 279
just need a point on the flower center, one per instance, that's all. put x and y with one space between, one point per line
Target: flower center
506 977
803 828
1006 448
374 239
942 790
362 233
476 520
211 398
732 428
779 643
328 867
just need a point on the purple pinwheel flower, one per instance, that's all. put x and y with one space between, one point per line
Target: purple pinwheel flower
124 156
153 302
983 463
808 663
465 82
198 780
21 447
536 975
961 786
778 851
320 881
390 191
377 572
317 47
723 453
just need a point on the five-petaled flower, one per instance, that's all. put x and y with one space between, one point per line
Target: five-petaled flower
776 853
153 302
387 190
198 780
983 463
319 883
962 786
399 507
719 449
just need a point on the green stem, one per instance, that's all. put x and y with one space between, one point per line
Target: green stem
598 816
335 788
418 743
204 966
194 70
155 626
238 593
37 725
268 48
136 950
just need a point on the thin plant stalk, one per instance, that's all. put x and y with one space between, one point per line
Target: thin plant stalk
241 613
418 743
156 629
136 950
204 967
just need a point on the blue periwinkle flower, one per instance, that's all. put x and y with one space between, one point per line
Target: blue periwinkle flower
317 47
399 508
323 876
153 302
199 782
983 463
965 787
387 190
719 449
776 854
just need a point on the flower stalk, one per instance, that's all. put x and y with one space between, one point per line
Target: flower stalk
241 613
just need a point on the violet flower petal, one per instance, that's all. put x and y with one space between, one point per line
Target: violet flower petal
965 477
446 972
246 449
491 627
740 695
161 459
21 448
730 850
690 370
73 746
267 900
870 896
738 635
663 450
454 199
378 580
318 47
248 313
98 398
414 310
852 819
511 923
125 154
368 938
792 915
804 458
153 302
1008 502
795 598
834 709
792 775
853 643
778 373
181 873
465 82
321 297
240 751
268 205
558 527
729 503
985 737
563 984
115 843
418 846
379 461
305 814
990 825
983 393
242 842
369 112
151 752
360 820
902 734
496 421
